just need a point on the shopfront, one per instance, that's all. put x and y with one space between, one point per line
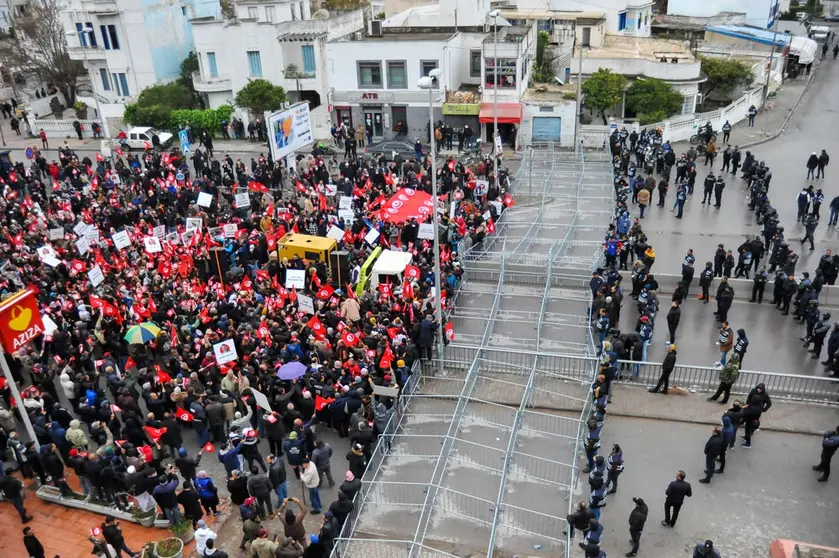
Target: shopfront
458 115
509 119
386 115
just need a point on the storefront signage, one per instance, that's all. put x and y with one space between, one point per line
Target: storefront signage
371 96
20 320
462 109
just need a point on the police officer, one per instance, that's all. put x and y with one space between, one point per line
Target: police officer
819 333
709 187
719 186
810 223
760 279
687 269
705 280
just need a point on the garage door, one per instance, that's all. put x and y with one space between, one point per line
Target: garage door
547 128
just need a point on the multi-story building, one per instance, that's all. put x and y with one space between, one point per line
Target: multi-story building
759 13
127 46
278 41
373 81
624 17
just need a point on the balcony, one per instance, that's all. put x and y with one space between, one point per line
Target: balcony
89 53
211 85
102 7
297 80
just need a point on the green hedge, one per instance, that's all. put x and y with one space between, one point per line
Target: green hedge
161 118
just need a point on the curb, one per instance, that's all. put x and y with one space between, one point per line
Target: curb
789 116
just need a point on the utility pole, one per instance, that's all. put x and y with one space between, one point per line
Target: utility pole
578 121
771 60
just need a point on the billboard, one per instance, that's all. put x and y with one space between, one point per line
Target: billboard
289 130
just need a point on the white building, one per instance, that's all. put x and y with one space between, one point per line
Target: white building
624 17
759 13
276 41
374 80
127 46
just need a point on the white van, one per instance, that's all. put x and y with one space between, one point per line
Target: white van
390 268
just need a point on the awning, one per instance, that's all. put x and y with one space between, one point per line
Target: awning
508 113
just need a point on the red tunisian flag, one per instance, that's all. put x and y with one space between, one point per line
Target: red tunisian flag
509 201
78 266
412 272
162 377
155 433
108 309
350 339
325 292
407 290
315 325
490 226
322 402
385 289
263 332
449 331
387 357
183 415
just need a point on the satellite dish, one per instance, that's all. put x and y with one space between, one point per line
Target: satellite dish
321 15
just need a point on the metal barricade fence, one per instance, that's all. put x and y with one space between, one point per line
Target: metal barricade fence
384 548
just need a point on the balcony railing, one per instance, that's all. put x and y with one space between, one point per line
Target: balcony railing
82 52
210 84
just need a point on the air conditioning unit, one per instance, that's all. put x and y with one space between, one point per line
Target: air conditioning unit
359 36
375 29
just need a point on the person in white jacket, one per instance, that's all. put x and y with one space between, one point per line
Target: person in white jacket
311 479
69 387
202 535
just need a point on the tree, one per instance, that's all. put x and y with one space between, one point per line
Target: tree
189 66
260 95
155 104
653 100
40 48
725 75
602 91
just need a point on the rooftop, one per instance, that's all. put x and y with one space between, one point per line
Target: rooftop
545 15
622 46
513 34
550 92
410 37
755 34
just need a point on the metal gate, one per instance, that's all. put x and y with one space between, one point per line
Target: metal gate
547 128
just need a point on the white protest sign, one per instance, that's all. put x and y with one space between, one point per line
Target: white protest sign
79 228
83 246
453 209
193 223
344 202
49 325
385 391
96 276
372 237
243 201
225 351
486 216
160 231
347 215
330 189
205 199
335 232
173 238
56 234
426 230
152 244
186 236
481 187
92 235
121 240
46 251
295 278
306 304
498 207
230 230
51 261
261 400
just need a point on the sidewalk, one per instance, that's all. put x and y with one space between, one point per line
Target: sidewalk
770 121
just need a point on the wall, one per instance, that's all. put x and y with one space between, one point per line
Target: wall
169 34
393 7
610 8
725 41
640 66
757 11
531 110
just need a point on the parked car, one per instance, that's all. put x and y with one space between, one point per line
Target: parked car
831 17
140 136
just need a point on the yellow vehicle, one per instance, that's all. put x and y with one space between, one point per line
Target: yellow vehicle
307 247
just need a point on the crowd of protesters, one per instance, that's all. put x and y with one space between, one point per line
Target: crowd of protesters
138 221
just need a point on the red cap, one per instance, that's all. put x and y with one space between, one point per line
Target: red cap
74 452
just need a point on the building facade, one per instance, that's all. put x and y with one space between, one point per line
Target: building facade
127 46
759 13
276 41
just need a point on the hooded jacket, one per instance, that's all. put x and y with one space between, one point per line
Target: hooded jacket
68 386
759 400
741 343
76 436
728 429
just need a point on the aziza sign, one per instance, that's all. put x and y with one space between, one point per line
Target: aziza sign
20 320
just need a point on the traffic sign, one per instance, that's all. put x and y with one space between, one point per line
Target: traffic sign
183 137
30 153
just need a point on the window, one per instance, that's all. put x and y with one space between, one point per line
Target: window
300 10
621 21
370 74
397 77
112 31
308 52
115 81
123 84
294 12
254 63
269 14
426 66
86 35
253 12
506 73
106 41
106 82
687 106
475 63
212 67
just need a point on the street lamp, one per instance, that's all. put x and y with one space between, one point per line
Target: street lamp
427 82
495 14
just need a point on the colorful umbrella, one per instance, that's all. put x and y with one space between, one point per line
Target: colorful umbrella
291 371
141 333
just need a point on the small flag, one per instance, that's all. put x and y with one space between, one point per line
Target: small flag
209 447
